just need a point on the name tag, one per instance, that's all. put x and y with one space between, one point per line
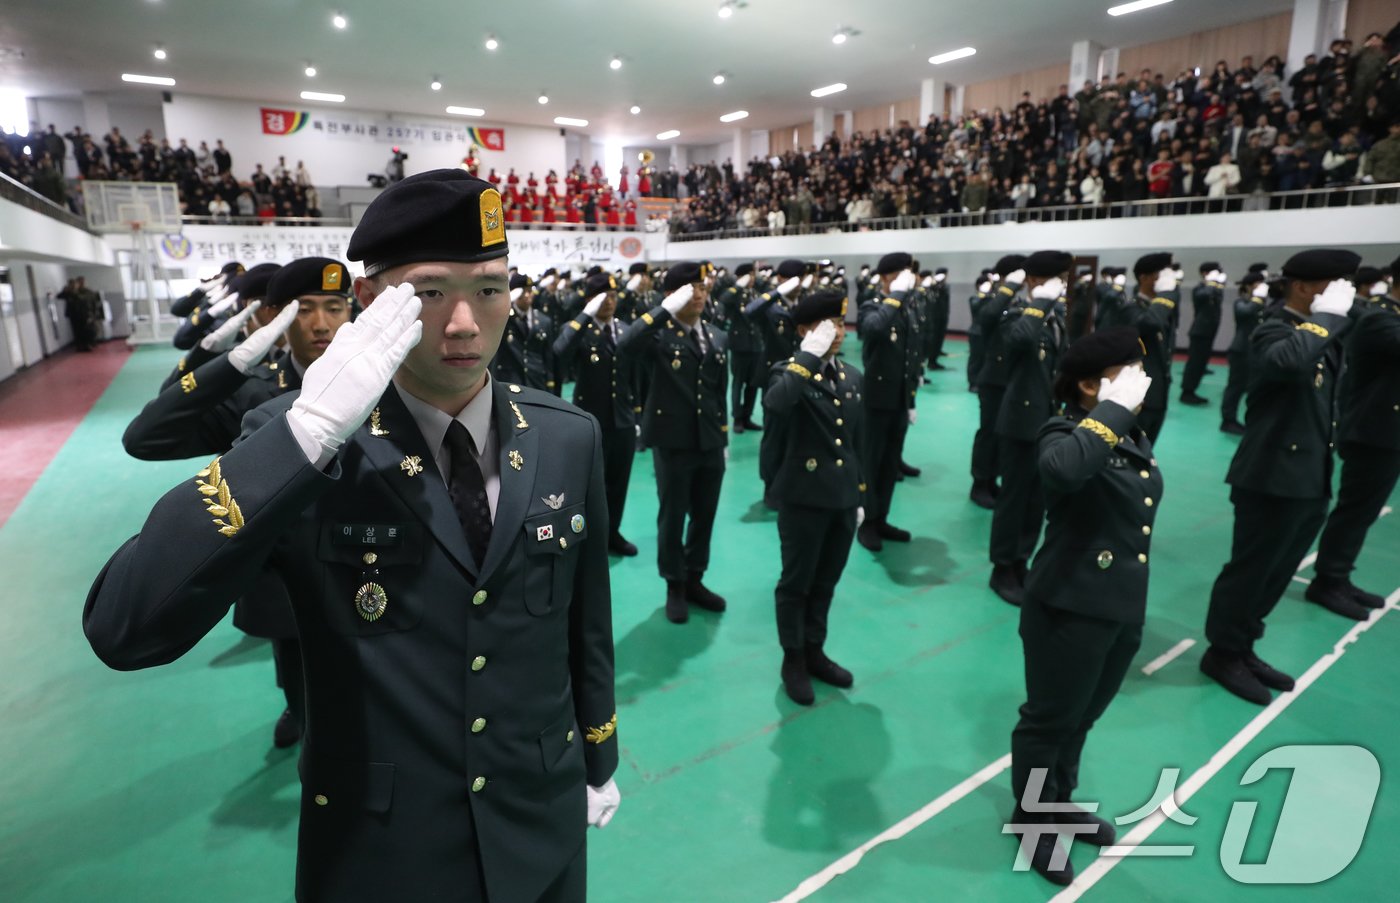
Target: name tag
366 534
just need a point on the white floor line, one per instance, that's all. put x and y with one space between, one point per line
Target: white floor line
1145 828
1303 580
852 859
1165 658
1307 561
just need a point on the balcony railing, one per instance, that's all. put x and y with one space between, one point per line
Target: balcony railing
25 196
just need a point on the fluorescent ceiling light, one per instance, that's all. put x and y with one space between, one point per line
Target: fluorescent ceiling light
466 111
148 79
616 62
338 21
435 85
310 71
952 55
667 136
160 53
636 110
318 95
492 43
829 89
726 10
735 116
839 37
544 99
719 78
565 120
1126 8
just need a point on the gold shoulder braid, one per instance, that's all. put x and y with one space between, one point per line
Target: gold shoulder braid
187 382
1314 329
1098 429
800 370
219 500
601 734
1167 301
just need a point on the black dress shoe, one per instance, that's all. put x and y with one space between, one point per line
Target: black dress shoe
796 682
982 495
1193 399
753 427
1207 372
698 595
1230 671
738 427
287 731
1332 595
868 537
938 367
893 534
1047 843
1233 427
1105 834
1007 584
677 609
619 546
908 470
1268 675
1370 600
827 671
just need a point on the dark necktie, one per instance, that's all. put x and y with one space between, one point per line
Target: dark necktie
697 336
609 336
468 490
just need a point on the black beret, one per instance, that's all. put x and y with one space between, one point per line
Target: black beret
520 280
307 276
636 268
1152 263
442 214
253 284
682 274
1321 263
1010 264
232 268
1210 265
743 269
1252 278
1258 267
789 268
1368 276
894 263
1044 264
1101 349
549 272
822 304
941 271
593 271
598 283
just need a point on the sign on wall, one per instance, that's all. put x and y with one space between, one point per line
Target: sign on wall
348 126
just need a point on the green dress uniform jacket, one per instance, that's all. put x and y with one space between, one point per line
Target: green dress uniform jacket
995 367
603 381
195 358
526 355
1033 338
685 407
1206 301
940 308
1370 401
1112 299
1152 318
820 420
774 318
1248 310
454 706
744 334
892 359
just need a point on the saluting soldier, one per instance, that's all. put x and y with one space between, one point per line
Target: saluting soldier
246 288
940 308
976 350
1081 305
815 399
1113 297
1032 338
745 349
1281 476
1249 307
771 311
218 284
1207 299
603 387
991 377
1150 313
893 366
683 422
442 538
1086 595
638 295
527 351
1369 445
204 311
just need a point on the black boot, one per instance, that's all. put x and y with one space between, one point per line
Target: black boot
1193 399
1268 675
696 594
677 609
796 681
751 426
909 470
1007 584
869 537
1233 427
287 731
893 534
1046 845
619 546
738 426
827 671
1105 834
1230 671
1370 600
982 495
1332 594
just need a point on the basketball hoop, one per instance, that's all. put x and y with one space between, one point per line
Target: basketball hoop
135 224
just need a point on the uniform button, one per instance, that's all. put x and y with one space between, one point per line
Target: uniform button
478 663
478 725
479 598
369 558
1105 560
840 463
478 784
1026 403
1147 502
1146 530
1293 447
840 422
837 401
569 737
1142 557
838 442
1144 474
321 800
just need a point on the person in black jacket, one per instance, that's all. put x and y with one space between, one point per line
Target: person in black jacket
1086 595
1206 301
991 377
1149 311
745 348
986 281
527 351
940 308
1281 476
1249 307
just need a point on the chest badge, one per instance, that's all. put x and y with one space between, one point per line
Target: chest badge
555 502
411 465
811 464
516 459
675 363
371 601
576 523
545 533
1105 560
375 429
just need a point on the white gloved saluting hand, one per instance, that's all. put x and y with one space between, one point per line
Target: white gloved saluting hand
1049 291
1120 280
1166 282
595 304
634 283
903 282
602 803
340 388
1128 388
226 336
677 300
246 355
1335 299
515 294
744 280
913 416
1260 291
790 286
224 305
818 341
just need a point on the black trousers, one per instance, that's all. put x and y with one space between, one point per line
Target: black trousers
746 369
1369 475
1151 420
884 445
937 332
815 544
286 658
1235 387
976 353
1272 534
619 448
984 441
1074 667
1020 505
1197 357
687 486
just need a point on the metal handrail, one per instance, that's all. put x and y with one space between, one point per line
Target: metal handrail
192 220
1309 198
20 193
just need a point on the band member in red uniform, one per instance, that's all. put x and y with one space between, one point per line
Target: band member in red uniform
574 214
494 178
644 181
513 182
527 210
612 217
547 210
629 218
511 215
551 184
596 171
532 185
622 183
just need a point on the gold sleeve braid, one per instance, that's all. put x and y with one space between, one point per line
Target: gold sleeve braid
892 302
602 734
187 382
1034 312
1098 429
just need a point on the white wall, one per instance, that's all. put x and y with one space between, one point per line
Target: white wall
345 160
701 155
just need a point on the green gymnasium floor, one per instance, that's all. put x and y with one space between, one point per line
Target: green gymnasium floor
162 785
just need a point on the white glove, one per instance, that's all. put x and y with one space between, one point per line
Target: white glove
247 353
223 306
1335 299
547 282
826 280
1049 291
340 388
1120 281
595 303
939 277
1015 277
744 280
928 282
602 803
1261 290
994 277
913 416
634 283
1380 288
1180 274
818 341
904 281
984 287
860 516
226 336
1166 282
515 294
1128 388
679 299
807 281
790 286
1087 278
216 294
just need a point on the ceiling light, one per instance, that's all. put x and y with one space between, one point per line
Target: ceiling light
339 21
838 38
726 10
466 111
565 120
829 89
318 95
735 116
952 55
160 52
544 98
636 110
1126 8
667 136
719 78
310 71
491 42
616 63
435 85
148 79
